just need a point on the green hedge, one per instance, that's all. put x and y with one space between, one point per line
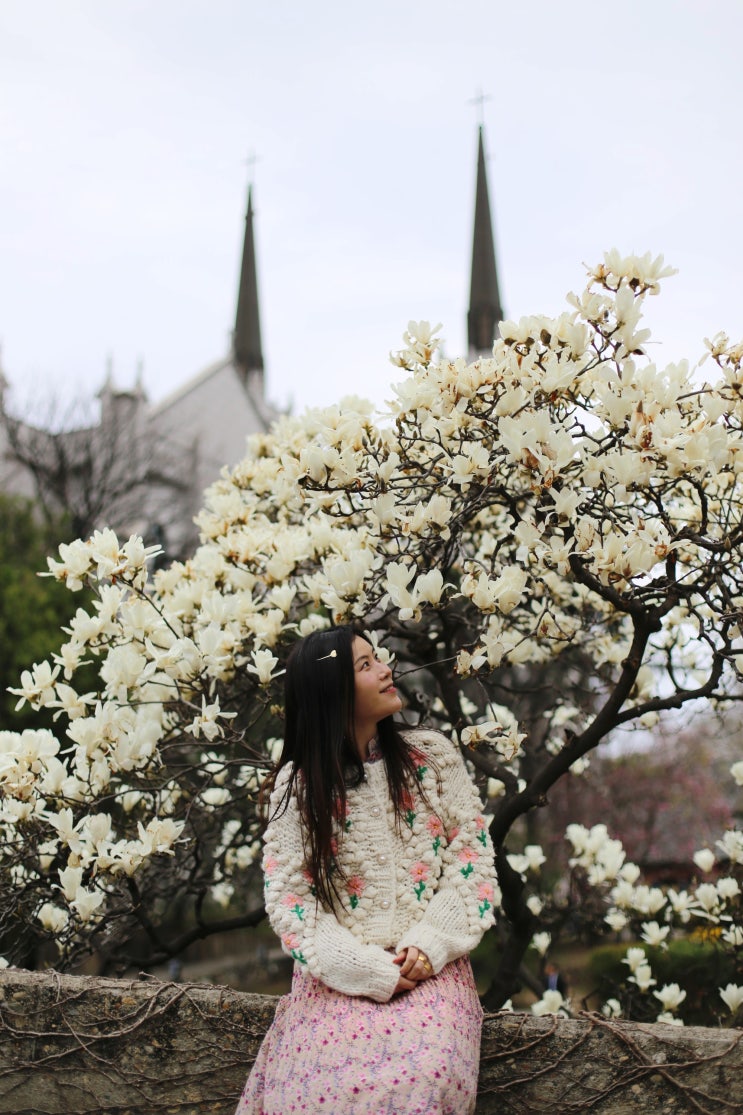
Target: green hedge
699 967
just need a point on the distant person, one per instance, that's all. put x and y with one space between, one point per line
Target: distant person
553 980
379 881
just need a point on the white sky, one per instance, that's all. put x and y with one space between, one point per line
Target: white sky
125 129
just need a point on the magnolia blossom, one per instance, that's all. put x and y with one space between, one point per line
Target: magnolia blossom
704 859
264 663
541 942
531 859
654 934
732 997
671 996
635 958
551 1002
643 977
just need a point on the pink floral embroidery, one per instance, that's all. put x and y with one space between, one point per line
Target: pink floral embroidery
467 856
270 864
436 830
292 945
408 807
419 872
485 894
342 816
453 833
420 763
482 831
355 887
294 904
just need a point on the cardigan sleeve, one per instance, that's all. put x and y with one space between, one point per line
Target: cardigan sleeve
460 911
310 934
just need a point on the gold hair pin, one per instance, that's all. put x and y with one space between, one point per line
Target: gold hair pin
333 654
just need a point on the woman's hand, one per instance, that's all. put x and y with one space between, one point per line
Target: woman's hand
414 967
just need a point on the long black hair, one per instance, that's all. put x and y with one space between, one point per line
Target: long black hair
319 743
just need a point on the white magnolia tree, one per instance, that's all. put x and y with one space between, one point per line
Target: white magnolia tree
560 522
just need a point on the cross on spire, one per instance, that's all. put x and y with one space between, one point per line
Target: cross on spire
250 162
480 100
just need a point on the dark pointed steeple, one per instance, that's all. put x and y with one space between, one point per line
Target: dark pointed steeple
485 311
246 340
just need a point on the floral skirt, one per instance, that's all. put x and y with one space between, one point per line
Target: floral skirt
418 1054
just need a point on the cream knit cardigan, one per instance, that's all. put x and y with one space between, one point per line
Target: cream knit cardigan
431 885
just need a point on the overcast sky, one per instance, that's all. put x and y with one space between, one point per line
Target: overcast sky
126 131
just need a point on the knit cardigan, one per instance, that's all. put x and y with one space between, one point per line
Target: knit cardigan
431 883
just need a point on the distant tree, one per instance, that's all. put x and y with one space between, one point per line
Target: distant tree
32 608
663 800
96 463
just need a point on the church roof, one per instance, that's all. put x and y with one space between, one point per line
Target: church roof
485 310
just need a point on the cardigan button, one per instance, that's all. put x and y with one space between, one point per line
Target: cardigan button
381 858
385 903
375 811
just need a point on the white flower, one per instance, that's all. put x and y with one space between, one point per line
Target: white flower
612 1008
550 1003
732 845
206 724
654 934
704 859
737 772
70 879
52 918
667 1019
74 566
728 888
37 685
398 577
429 586
86 903
264 664
541 942
535 857
671 996
707 898
634 958
732 997
643 977
616 920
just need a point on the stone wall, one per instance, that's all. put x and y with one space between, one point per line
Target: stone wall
74 1045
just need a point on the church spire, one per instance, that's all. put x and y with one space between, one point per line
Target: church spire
485 310
246 340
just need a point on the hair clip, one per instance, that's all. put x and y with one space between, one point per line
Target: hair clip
333 654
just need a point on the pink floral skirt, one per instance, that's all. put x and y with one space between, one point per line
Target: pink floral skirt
418 1054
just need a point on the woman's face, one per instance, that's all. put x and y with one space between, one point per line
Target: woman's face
375 696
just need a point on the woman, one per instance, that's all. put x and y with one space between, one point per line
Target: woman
379 880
